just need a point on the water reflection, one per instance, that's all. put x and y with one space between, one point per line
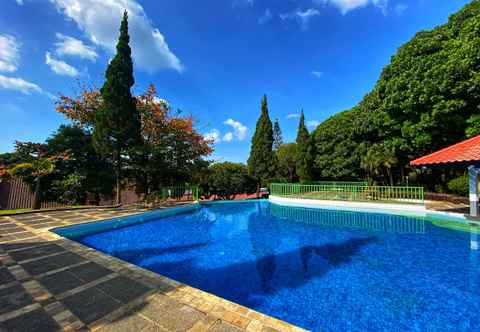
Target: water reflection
349 219
263 245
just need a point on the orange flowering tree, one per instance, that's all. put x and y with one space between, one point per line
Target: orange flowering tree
171 146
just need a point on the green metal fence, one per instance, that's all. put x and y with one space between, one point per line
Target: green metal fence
348 192
179 193
340 183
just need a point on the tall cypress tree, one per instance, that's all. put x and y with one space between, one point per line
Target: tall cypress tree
261 163
277 135
117 123
304 153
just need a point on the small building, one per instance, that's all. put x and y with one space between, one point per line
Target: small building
464 155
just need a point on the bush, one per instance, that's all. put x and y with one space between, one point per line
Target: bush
459 186
228 179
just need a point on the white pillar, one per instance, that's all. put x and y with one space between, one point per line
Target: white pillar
473 189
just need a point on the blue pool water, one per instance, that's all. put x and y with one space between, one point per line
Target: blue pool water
319 269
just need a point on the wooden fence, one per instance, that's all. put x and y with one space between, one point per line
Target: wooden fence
16 194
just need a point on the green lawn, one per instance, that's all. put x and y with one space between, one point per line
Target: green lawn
3 212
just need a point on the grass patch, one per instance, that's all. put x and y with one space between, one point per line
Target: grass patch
4 212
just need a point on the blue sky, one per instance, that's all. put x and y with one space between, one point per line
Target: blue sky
213 59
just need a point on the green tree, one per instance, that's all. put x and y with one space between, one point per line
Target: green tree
304 152
117 122
85 173
287 162
36 164
426 98
261 163
227 179
277 136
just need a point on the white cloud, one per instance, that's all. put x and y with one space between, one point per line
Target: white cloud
60 67
400 8
317 74
9 53
293 116
100 20
312 123
228 137
71 46
18 84
266 17
347 5
213 135
239 130
19 2
303 17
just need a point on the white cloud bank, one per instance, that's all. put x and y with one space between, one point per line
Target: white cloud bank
100 20
293 116
9 61
347 5
317 74
60 67
312 124
213 136
18 84
239 130
303 17
9 53
69 46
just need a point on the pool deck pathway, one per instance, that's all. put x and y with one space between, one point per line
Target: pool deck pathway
49 283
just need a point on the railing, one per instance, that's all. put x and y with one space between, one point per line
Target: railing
340 183
179 193
348 192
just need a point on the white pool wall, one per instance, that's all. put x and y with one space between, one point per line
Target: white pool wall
404 209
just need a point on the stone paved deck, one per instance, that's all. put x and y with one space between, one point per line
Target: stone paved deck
49 283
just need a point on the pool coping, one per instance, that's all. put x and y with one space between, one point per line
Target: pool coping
235 314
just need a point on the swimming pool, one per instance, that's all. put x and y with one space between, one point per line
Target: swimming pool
320 269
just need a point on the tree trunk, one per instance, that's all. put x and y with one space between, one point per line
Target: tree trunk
37 202
118 167
390 176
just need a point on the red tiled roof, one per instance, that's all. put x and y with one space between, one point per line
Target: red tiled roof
463 152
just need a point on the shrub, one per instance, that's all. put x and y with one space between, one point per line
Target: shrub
459 186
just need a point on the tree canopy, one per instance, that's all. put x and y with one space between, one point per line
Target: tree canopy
261 163
117 121
427 98
304 153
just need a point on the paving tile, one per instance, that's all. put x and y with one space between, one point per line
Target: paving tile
159 303
52 263
90 305
123 289
221 326
34 321
10 230
22 244
179 319
60 282
128 322
89 272
5 276
13 298
35 252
